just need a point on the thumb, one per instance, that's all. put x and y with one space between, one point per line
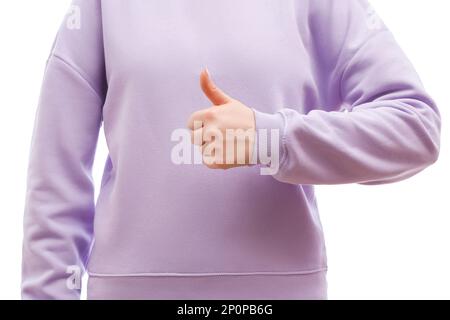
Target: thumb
214 94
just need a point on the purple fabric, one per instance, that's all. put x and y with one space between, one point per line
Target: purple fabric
134 66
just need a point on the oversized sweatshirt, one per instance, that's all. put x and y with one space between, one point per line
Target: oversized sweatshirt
328 74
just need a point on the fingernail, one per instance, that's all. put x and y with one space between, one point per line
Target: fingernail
210 78
207 72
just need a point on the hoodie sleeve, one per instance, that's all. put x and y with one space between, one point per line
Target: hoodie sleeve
378 125
59 208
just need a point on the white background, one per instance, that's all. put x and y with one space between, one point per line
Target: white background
384 242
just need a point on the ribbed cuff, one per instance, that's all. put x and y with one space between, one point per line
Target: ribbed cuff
267 124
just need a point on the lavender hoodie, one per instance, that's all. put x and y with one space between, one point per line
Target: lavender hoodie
327 73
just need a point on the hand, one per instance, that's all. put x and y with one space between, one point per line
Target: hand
225 131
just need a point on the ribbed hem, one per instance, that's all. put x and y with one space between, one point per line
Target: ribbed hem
311 286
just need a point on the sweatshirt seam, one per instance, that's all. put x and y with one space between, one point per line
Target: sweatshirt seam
205 274
78 72
350 58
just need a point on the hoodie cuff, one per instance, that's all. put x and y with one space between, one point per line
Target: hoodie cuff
267 124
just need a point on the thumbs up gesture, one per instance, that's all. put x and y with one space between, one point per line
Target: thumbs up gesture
225 131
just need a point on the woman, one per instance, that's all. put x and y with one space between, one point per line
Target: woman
319 84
